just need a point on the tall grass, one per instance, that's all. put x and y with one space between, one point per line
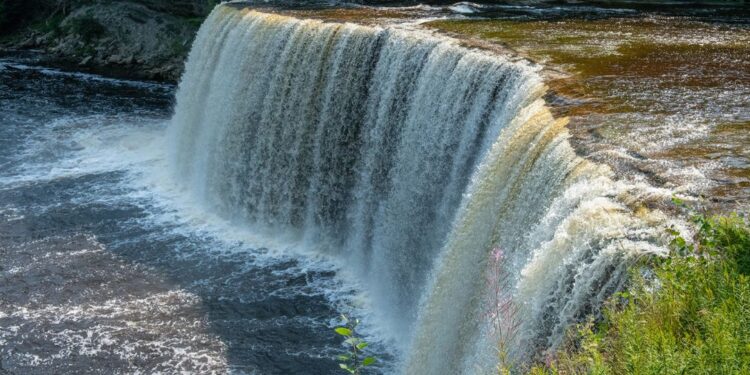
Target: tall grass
690 314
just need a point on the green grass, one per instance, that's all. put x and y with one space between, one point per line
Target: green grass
690 316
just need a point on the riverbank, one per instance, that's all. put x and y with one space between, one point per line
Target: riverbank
687 314
127 39
651 95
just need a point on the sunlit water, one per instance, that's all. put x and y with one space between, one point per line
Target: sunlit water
410 158
658 92
108 266
105 269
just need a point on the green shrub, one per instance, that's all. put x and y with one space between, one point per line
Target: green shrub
692 316
353 361
49 25
87 28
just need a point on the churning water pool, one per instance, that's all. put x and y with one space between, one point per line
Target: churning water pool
104 268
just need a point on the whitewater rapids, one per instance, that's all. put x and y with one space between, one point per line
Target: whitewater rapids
411 159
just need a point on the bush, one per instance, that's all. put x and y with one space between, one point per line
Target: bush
87 28
353 360
691 317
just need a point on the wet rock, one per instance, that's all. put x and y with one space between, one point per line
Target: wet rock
85 60
103 35
29 42
114 59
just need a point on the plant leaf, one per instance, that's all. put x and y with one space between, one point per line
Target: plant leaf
368 361
678 201
361 345
343 331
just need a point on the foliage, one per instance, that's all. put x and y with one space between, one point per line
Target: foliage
179 48
49 25
352 361
87 27
692 316
17 14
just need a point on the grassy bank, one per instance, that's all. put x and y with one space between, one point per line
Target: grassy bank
690 314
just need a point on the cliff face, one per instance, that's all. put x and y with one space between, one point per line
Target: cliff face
136 38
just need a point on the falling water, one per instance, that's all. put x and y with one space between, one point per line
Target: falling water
410 159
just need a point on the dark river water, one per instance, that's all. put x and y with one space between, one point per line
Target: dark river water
105 269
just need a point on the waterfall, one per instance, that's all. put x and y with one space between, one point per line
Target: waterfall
410 158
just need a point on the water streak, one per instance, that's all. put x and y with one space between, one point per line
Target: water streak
410 158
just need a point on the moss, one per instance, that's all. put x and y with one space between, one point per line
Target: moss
358 15
194 22
601 51
85 50
634 74
178 48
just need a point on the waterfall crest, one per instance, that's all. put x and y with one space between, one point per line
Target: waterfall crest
411 158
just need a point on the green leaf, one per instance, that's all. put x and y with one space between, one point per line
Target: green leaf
351 341
368 361
679 242
343 331
344 357
344 366
361 345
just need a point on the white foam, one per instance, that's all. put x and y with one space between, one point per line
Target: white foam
406 158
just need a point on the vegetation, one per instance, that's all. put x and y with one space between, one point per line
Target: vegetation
690 315
88 28
354 360
18 14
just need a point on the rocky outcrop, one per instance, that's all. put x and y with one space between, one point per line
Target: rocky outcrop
137 39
